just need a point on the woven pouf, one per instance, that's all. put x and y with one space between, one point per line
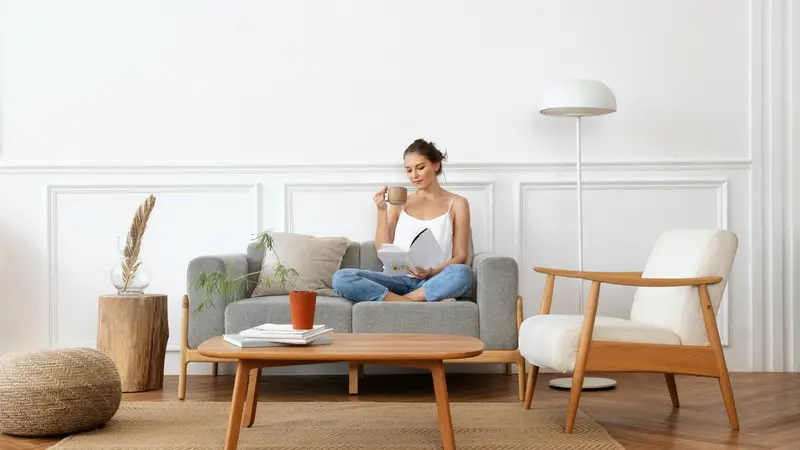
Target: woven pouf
57 391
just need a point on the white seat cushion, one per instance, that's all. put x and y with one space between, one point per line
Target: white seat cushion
551 340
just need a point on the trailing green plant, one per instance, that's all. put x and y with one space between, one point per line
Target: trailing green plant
230 288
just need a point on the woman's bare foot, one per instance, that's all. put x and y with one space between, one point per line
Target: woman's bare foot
417 295
414 296
392 297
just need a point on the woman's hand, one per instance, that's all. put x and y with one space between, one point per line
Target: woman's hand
380 198
421 272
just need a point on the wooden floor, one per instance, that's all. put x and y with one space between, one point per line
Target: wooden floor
638 412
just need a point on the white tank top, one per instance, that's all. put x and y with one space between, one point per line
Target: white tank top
441 227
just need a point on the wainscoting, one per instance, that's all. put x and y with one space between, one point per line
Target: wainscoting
526 211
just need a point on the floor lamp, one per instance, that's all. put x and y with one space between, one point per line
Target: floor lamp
579 98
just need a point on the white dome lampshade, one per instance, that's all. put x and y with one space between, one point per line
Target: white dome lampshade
576 98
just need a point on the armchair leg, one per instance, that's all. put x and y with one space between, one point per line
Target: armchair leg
521 375
574 399
727 397
520 359
531 384
673 389
716 345
583 356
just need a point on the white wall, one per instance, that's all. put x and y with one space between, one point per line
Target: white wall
242 116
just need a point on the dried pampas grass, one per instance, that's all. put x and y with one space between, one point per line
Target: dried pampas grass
130 262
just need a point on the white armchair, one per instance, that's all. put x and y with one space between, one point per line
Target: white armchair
671 328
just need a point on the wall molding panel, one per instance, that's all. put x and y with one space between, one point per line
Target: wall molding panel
770 136
718 185
54 192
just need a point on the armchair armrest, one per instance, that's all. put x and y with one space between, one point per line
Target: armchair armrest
617 278
630 278
210 320
654 282
579 274
495 289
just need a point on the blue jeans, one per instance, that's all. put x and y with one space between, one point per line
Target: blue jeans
360 285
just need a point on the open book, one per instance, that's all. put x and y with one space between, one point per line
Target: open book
424 251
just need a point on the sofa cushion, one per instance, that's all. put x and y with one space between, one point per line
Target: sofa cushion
315 259
334 312
352 257
369 257
459 317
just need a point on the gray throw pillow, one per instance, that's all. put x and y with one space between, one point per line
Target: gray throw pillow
315 259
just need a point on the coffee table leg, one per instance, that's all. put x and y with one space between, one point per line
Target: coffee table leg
252 398
237 405
443 406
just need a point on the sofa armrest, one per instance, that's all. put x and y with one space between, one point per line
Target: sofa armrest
210 320
496 288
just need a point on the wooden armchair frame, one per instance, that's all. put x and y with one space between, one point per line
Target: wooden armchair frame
609 356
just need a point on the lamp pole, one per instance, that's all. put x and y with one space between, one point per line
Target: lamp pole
577 98
579 189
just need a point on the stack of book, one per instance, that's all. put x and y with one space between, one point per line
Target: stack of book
280 335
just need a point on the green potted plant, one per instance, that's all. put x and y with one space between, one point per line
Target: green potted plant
302 303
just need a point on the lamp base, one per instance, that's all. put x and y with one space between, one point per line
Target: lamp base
589 383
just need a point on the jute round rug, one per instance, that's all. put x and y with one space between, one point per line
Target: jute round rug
193 425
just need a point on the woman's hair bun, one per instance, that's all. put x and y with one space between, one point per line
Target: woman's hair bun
429 151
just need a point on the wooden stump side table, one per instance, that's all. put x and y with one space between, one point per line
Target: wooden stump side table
133 331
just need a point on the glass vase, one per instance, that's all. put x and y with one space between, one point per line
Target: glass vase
129 277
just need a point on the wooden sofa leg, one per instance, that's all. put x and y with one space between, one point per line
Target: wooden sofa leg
182 378
184 347
356 372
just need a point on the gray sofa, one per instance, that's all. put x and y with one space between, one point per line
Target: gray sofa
492 311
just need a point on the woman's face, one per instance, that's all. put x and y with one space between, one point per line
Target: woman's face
419 170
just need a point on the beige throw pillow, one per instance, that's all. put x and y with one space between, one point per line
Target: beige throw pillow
315 259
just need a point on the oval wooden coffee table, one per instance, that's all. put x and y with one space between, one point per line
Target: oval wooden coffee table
425 351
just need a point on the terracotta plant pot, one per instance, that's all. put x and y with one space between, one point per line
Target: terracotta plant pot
303 305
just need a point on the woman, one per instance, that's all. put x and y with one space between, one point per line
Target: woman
444 213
